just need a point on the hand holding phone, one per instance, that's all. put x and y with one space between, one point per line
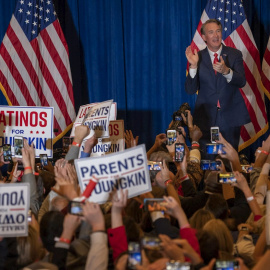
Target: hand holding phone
43 160
134 255
171 136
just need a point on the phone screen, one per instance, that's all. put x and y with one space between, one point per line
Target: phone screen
75 208
171 136
18 145
134 255
226 178
226 265
7 152
212 165
43 159
179 152
215 148
154 204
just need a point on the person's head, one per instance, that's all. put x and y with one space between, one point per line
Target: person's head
218 206
209 245
200 218
222 233
58 203
211 182
211 32
51 226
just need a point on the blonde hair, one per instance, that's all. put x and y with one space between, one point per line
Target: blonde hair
200 218
222 233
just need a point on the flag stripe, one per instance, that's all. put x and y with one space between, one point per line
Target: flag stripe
6 85
40 51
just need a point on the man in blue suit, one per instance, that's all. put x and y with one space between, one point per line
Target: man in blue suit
217 73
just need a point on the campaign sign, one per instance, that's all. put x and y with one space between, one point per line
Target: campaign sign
14 206
33 123
124 170
84 110
115 143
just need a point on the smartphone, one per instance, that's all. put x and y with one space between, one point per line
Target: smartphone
7 152
226 178
214 134
171 136
212 165
18 145
154 165
134 255
150 242
247 168
214 148
174 265
179 152
226 265
152 205
75 208
43 160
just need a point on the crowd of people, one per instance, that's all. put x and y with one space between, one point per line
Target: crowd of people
202 223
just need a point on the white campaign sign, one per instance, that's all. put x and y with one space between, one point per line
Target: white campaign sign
14 206
126 170
33 123
85 108
116 142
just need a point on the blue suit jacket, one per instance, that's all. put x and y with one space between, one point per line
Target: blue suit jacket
211 88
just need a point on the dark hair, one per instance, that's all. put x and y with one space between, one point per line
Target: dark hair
209 246
218 206
210 21
51 226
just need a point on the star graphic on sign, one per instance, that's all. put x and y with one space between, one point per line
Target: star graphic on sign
37 132
4 131
43 132
31 131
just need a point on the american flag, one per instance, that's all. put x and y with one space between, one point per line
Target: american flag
237 34
34 62
266 70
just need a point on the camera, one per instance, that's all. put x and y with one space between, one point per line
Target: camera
177 117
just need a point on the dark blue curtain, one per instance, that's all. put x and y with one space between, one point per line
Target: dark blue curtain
132 51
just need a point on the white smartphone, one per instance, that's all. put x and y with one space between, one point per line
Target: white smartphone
18 145
214 134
